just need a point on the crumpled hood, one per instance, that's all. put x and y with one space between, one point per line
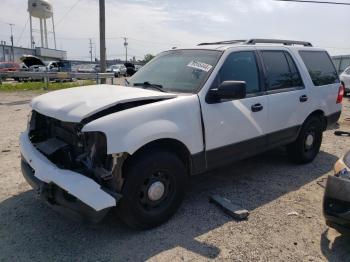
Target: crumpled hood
75 104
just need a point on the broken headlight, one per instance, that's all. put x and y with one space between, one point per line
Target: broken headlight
29 119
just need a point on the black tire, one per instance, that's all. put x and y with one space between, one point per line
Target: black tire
136 209
304 151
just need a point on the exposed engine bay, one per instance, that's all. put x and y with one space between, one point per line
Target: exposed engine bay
66 146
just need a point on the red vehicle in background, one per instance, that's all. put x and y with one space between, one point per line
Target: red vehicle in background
9 66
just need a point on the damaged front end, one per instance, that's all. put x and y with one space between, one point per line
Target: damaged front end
85 153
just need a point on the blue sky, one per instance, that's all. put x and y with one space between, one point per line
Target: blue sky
156 25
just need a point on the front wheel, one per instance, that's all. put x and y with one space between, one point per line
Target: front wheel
306 147
153 189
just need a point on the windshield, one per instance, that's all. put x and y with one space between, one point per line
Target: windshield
178 70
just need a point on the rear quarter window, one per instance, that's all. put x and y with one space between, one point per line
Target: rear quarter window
320 67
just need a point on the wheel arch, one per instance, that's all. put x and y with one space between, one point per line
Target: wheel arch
319 113
168 144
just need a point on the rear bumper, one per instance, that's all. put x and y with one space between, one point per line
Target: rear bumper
332 119
62 187
336 204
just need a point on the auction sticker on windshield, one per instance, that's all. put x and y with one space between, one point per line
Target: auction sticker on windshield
200 65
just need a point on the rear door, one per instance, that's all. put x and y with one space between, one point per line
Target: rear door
288 99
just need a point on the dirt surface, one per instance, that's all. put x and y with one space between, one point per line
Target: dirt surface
284 199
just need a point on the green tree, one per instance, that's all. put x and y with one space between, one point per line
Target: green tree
148 57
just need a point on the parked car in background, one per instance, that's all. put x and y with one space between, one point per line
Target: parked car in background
118 70
89 68
51 66
345 79
33 63
130 69
336 202
9 67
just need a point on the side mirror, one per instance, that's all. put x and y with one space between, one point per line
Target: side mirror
228 90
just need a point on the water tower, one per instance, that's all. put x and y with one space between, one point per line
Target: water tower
41 9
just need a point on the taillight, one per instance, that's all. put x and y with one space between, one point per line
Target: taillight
340 94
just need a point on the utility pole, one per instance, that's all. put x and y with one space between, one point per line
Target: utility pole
13 55
103 64
126 49
90 50
3 43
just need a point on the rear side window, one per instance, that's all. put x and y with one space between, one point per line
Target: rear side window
281 70
320 67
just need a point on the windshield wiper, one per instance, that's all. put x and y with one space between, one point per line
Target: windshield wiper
148 84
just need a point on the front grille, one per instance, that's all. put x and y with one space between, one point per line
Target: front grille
44 130
44 127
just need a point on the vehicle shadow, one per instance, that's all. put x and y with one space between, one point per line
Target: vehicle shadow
338 250
31 230
15 103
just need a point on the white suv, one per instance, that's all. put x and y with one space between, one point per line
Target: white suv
88 149
345 79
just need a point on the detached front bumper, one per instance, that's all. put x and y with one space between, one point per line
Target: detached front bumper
63 189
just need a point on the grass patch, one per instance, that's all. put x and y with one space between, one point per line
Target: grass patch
31 86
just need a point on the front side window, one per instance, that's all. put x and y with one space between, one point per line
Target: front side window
241 66
182 71
281 71
320 67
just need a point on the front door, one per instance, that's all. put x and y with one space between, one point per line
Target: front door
236 129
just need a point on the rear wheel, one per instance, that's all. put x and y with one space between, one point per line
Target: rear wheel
308 143
153 189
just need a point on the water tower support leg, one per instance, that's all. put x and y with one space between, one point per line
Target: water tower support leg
54 33
41 32
45 34
31 31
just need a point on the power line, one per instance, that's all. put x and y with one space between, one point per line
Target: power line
314 2
24 28
67 12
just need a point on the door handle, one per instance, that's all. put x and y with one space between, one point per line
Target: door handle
303 98
257 107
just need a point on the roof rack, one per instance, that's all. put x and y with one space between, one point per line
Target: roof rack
228 42
259 41
277 41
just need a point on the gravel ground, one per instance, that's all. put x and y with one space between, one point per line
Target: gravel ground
268 185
